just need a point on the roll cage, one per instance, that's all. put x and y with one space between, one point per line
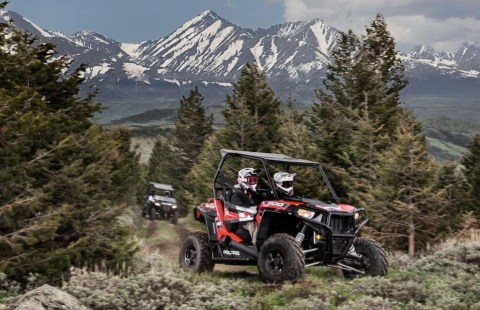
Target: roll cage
266 159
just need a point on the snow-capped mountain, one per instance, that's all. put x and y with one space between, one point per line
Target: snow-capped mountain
209 51
464 63
213 48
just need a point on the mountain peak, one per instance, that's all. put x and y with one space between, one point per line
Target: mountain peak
427 52
209 13
93 36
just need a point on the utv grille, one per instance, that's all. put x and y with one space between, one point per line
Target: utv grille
341 224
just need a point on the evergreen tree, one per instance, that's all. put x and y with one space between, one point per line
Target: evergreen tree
252 114
373 149
296 142
173 157
192 128
452 182
405 205
252 120
471 162
388 72
161 165
60 189
362 84
126 167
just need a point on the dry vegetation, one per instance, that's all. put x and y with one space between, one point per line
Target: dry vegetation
446 279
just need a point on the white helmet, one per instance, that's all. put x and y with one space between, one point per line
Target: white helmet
248 179
284 182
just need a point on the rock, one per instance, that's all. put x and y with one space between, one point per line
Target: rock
47 297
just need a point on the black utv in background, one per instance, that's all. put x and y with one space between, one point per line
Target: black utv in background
160 202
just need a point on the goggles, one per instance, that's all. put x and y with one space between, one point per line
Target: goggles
252 180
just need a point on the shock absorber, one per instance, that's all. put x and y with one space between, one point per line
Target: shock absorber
301 235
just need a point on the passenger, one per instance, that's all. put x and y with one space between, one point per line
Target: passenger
284 184
245 195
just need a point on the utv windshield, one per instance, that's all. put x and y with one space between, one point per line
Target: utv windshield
162 190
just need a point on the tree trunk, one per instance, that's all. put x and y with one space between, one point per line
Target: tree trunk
411 236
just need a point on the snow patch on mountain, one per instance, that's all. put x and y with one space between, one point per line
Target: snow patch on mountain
290 29
206 83
131 49
94 71
173 81
319 29
43 32
257 52
134 70
470 73
220 37
272 58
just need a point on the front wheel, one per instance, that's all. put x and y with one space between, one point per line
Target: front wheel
175 217
281 259
195 253
151 213
373 259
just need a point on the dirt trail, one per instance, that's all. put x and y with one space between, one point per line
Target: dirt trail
151 229
166 239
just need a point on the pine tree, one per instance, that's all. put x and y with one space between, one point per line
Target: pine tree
381 55
405 205
372 148
252 114
163 163
362 84
252 120
174 156
471 162
296 142
60 189
452 182
192 128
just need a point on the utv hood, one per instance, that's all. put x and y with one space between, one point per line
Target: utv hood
329 207
164 199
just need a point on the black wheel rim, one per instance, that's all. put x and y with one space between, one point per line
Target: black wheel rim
365 263
362 264
190 256
275 262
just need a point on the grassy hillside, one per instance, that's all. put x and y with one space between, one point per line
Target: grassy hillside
448 279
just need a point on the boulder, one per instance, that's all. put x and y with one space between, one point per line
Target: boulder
47 297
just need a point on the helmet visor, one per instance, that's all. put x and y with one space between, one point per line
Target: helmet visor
287 184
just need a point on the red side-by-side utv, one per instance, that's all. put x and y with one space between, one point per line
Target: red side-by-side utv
293 232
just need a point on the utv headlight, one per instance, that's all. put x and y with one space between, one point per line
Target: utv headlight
174 206
158 204
359 218
305 213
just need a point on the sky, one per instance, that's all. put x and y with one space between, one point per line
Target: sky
442 24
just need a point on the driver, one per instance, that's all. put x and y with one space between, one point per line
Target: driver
247 182
284 183
245 194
